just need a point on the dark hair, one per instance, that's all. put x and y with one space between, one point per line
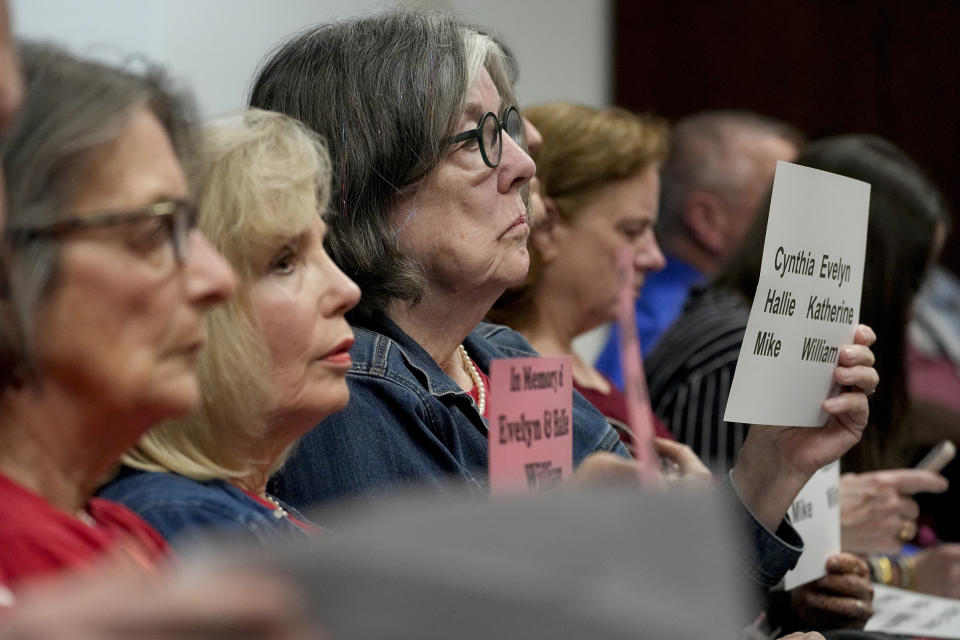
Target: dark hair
905 211
72 108
386 92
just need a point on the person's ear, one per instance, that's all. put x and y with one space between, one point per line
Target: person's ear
548 232
705 217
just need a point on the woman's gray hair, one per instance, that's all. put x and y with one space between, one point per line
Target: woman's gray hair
386 93
72 108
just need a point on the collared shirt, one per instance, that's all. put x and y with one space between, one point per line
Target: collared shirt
182 509
408 421
690 371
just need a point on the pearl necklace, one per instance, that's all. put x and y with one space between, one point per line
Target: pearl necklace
86 518
279 512
471 370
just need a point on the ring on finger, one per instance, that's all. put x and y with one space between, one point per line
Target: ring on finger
907 531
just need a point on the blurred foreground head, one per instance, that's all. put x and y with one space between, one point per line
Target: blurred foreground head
108 277
11 95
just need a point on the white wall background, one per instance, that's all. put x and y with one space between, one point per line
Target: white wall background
215 45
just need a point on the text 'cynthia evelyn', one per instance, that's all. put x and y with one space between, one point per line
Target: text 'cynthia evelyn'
803 263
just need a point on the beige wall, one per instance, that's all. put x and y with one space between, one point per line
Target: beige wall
215 45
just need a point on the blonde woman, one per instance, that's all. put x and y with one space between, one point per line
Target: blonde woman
278 353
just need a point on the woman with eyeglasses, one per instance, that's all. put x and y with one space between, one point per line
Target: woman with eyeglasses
428 217
109 284
277 355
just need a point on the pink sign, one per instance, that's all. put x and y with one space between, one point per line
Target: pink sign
634 381
531 424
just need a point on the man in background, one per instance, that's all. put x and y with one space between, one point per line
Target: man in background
719 168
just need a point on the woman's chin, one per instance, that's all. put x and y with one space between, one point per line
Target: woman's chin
335 397
176 399
339 403
516 272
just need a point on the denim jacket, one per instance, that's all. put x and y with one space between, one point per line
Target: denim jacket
180 508
408 421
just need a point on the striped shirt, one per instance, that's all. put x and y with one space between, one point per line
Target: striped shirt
689 373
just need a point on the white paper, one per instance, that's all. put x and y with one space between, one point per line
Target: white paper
908 613
815 514
807 304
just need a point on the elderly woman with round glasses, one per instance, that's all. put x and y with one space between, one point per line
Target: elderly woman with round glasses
109 284
277 356
428 217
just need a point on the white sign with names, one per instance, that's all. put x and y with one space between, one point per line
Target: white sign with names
815 514
908 613
807 304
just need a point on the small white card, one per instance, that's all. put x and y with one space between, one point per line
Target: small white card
815 514
807 304
908 613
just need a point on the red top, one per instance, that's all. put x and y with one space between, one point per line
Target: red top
613 406
37 539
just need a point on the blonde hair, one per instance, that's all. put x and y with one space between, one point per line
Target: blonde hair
583 150
259 181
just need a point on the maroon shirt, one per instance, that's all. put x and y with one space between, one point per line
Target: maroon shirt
613 406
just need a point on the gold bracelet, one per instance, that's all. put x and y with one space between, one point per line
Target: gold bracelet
908 571
881 569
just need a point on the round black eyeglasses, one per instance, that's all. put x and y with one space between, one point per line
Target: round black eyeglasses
489 134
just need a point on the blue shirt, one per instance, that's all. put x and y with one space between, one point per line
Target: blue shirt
408 421
180 508
660 302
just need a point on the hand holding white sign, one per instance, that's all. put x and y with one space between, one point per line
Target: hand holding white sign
842 599
775 462
815 514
